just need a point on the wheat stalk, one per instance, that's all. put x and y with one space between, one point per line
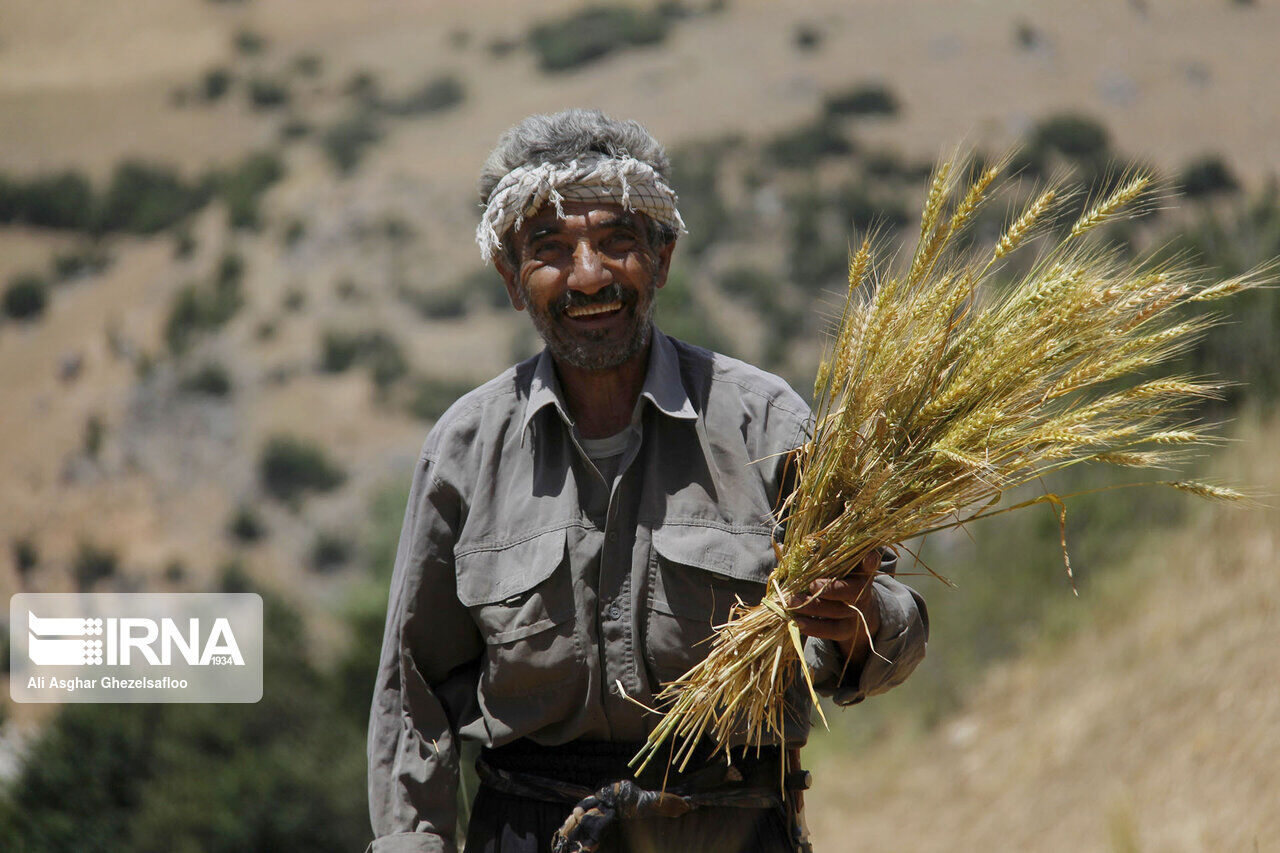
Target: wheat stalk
940 391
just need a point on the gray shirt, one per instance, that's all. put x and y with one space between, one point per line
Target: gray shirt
530 592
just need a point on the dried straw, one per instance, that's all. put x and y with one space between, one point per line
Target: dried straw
940 391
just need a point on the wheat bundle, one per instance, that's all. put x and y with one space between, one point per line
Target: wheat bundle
941 389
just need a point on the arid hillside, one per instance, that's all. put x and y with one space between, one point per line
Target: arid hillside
1153 727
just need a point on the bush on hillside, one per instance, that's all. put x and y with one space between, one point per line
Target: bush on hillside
267 93
863 99
330 551
592 33
215 83
63 200
211 380
144 198
203 308
431 396
241 187
346 142
246 525
93 564
1208 175
435 95
290 467
26 296
807 145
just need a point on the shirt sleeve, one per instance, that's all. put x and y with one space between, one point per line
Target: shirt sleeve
897 647
426 677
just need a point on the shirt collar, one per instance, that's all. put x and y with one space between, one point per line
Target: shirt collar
663 385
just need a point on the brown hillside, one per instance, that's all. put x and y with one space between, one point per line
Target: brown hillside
1156 727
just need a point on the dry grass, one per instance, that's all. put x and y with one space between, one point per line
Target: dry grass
941 390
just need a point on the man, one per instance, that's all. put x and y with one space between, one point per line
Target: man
577 525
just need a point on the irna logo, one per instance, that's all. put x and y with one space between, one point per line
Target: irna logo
127 641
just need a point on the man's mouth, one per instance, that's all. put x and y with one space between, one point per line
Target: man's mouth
578 312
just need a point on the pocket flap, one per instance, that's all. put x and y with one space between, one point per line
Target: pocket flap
744 555
490 575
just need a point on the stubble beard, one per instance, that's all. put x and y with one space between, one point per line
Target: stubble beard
594 350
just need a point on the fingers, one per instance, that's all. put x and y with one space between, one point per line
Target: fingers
824 608
829 629
847 589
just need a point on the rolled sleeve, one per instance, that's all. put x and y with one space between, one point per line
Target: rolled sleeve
898 647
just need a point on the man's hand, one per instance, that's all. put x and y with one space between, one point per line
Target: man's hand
845 610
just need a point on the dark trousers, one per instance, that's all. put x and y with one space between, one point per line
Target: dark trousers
505 823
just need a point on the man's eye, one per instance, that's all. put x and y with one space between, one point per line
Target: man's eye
548 250
621 240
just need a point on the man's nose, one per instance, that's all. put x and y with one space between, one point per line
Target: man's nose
589 273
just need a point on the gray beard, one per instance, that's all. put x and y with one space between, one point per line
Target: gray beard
594 354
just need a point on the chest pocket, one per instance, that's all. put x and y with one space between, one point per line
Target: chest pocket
696 576
521 598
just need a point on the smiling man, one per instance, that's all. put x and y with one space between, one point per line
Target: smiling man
575 528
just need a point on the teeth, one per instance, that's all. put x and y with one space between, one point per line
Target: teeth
589 310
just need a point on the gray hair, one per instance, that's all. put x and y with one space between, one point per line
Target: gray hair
574 135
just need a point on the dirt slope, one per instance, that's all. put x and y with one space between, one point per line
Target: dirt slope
1156 728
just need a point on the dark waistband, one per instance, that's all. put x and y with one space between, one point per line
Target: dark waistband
595 763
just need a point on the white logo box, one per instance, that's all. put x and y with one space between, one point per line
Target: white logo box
135 647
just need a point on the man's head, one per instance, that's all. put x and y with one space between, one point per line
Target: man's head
580 222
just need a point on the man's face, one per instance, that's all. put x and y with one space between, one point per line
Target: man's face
588 281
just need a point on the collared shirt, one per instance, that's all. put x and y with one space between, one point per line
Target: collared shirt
533 598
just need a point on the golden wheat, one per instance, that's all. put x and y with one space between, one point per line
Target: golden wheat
942 389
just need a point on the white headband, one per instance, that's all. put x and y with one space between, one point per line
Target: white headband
621 180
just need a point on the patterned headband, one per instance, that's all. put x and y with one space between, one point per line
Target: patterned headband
621 180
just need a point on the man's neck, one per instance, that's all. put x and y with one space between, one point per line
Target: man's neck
601 402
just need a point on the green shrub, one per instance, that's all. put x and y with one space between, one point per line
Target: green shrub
242 186
26 297
1207 175
249 43
215 83
184 245
246 525
436 95
290 467
1075 136
25 555
87 260
330 551
339 351
346 142
863 99
592 33
807 145
267 93
806 37
94 432
144 199
204 308
211 379
64 200
175 571
449 304
92 564
430 397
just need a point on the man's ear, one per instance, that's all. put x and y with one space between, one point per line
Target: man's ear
664 263
508 274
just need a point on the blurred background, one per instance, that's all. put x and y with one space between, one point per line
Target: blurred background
238 285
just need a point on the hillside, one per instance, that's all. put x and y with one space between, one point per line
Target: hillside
1153 727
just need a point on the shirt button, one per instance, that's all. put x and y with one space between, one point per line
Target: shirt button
615 612
612 536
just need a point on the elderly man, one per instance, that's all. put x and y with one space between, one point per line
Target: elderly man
576 527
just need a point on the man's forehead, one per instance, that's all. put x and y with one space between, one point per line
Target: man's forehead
591 214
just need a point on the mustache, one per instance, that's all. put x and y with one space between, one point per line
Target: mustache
603 296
